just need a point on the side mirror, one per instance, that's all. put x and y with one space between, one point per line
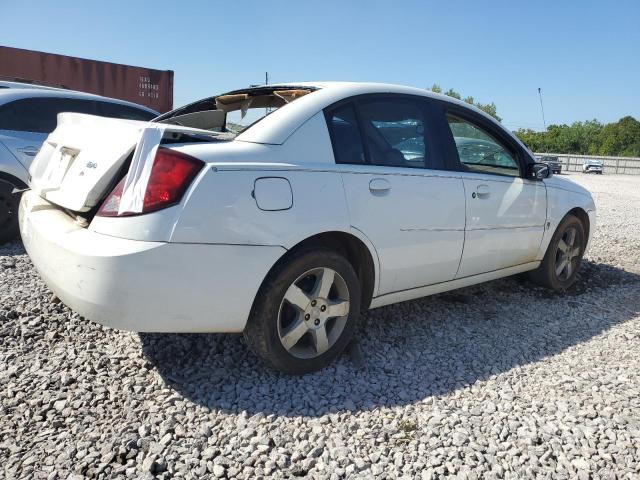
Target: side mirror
538 171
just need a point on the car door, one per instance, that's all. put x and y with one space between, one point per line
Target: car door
397 192
505 212
25 123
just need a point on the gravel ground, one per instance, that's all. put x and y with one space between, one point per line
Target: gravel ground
503 380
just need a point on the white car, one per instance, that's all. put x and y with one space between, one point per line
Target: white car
593 166
27 115
346 196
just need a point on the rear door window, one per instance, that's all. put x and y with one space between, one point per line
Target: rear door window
394 132
40 114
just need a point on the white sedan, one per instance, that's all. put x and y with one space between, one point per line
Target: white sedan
283 211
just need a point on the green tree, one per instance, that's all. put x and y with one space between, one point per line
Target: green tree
452 93
621 138
489 108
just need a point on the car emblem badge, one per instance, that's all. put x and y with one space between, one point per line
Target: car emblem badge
92 165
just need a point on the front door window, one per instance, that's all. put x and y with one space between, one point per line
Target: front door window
479 152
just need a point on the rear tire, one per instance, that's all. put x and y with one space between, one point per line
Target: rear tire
305 313
563 258
8 212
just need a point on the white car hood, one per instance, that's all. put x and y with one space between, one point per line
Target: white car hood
566 184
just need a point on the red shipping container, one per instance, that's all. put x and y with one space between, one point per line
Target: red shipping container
145 86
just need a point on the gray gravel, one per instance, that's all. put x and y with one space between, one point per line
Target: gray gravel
503 380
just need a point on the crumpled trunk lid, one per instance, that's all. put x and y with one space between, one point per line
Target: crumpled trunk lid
81 158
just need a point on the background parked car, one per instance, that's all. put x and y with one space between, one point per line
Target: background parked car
12 84
593 166
555 165
27 116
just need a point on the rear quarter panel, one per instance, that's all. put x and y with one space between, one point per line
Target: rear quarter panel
223 208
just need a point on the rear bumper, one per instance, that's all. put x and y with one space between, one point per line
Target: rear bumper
143 286
592 168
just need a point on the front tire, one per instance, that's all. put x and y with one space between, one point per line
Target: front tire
8 212
306 312
563 258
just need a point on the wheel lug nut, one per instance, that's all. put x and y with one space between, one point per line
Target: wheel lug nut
313 303
307 316
323 308
317 322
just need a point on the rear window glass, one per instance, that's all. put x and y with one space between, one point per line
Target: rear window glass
40 114
234 112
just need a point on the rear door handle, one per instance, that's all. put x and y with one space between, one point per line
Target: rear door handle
379 185
483 191
30 151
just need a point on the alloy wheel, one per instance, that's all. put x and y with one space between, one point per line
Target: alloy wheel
567 254
313 313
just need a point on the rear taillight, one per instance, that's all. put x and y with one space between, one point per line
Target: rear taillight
111 205
171 174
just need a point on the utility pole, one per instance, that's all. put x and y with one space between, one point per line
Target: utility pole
266 82
544 122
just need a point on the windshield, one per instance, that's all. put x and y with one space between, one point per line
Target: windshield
234 112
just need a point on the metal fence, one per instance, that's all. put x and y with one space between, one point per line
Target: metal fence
573 163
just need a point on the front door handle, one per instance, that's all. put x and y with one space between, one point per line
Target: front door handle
483 191
30 151
379 185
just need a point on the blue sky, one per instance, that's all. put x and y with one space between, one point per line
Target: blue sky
585 55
